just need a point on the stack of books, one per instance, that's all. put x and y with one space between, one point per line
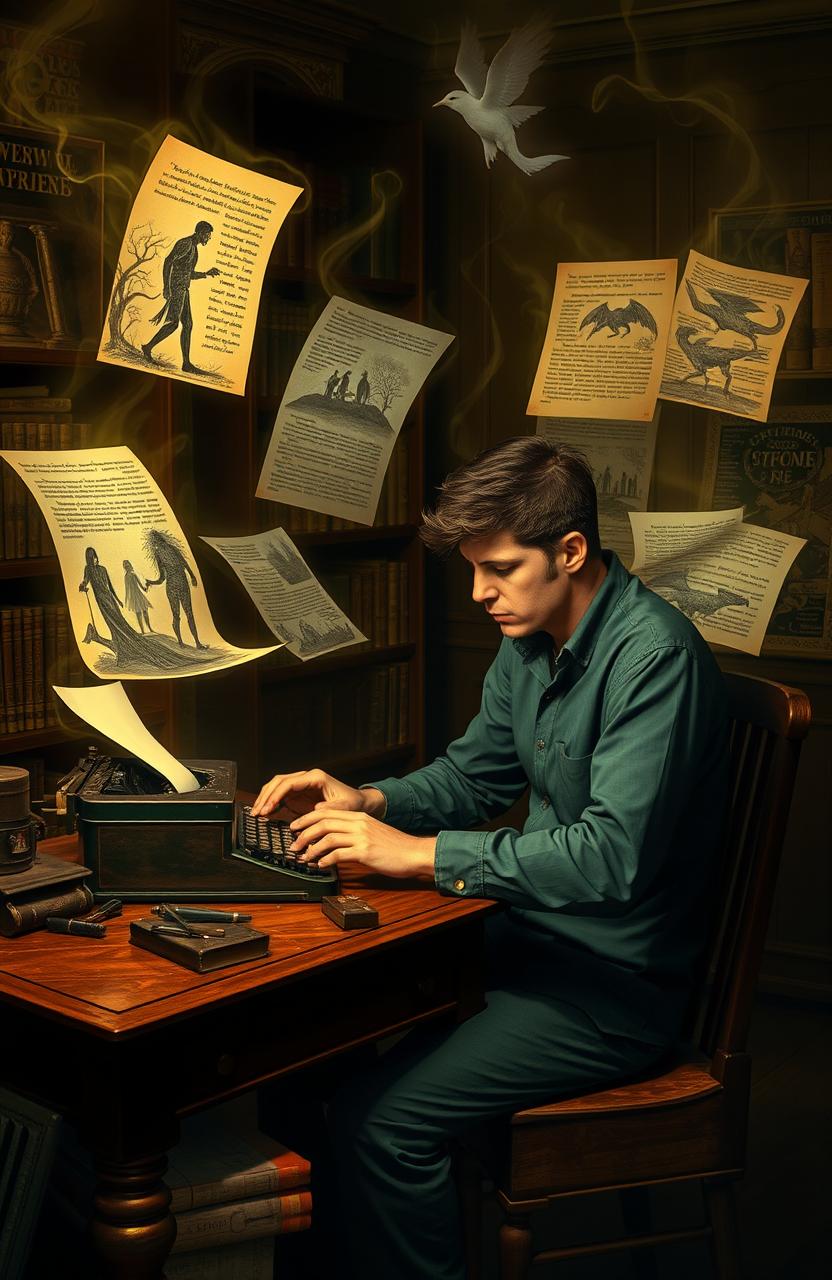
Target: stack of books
233 1192
50 887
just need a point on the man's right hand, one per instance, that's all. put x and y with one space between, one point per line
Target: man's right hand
293 794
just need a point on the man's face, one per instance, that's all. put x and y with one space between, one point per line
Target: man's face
515 584
204 236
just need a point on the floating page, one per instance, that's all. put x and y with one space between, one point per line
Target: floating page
136 601
604 348
355 379
190 270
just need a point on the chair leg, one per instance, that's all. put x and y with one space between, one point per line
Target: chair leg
515 1247
638 1221
725 1240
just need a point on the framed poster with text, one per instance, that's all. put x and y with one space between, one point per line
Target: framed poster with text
51 240
781 473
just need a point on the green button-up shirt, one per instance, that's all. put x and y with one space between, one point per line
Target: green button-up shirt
622 743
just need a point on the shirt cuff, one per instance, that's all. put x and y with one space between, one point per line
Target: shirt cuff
458 864
371 786
400 800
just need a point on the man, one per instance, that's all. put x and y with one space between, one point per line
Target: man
362 391
178 271
606 703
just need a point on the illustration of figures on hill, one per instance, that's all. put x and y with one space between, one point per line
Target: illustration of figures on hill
379 386
618 319
131 650
173 569
135 280
288 564
135 597
694 602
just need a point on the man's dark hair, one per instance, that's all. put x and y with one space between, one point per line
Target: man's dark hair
202 226
536 491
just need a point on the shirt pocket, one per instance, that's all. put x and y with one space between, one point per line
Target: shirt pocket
571 791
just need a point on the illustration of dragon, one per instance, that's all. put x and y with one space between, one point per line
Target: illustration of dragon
703 356
691 600
730 312
618 319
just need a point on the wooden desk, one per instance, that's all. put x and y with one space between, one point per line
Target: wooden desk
123 1042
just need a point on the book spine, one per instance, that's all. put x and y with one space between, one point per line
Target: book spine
22 917
38 684
9 478
20 495
7 641
822 300
50 660
224 1224
28 629
272 1177
19 662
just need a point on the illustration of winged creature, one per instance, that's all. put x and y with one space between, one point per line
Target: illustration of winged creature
618 319
703 356
730 312
485 103
692 601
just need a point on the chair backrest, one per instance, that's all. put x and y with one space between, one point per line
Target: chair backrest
768 722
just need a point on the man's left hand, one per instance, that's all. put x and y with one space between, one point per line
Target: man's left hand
355 841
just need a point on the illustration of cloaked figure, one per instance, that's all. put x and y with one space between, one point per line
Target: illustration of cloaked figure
618 319
730 313
692 601
486 102
174 570
178 271
130 648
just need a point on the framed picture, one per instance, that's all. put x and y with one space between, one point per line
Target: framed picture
51 241
781 473
756 237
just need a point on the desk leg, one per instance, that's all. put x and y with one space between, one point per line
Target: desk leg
132 1227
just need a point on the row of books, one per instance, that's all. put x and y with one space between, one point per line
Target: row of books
36 652
24 532
337 203
233 1192
809 341
278 343
374 596
393 504
333 717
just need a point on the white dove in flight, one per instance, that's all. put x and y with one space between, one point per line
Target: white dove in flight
485 104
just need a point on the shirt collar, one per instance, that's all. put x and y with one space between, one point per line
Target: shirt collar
581 643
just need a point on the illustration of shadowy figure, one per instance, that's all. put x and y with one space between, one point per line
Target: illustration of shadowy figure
730 313
331 384
362 391
177 273
692 601
703 356
129 647
135 597
344 386
618 319
174 570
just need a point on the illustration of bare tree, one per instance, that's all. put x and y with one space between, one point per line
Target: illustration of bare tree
133 278
389 380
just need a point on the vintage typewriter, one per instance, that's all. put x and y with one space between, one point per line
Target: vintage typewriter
144 842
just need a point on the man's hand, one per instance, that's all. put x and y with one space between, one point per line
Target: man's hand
293 794
212 271
335 837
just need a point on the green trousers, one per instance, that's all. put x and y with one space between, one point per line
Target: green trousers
390 1126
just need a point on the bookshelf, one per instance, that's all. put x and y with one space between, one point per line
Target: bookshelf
357 712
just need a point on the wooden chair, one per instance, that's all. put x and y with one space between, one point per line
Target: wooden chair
687 1119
